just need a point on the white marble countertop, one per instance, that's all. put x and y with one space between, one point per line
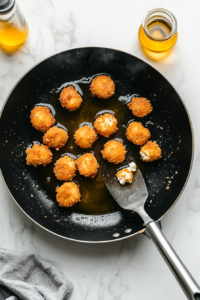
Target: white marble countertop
133 268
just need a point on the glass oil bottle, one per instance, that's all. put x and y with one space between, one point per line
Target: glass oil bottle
13 26
158 33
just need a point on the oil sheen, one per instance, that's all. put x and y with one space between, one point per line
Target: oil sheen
95 198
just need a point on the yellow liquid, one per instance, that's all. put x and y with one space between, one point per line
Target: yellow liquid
156 46
13 36
159 30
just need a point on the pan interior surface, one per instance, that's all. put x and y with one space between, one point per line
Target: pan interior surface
98 216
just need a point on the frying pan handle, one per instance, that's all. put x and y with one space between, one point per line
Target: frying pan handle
182 275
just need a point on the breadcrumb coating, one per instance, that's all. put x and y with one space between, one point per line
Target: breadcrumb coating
85 137
102 87
114 151
70 98
41 118
65 168
106 125
38 155
87 165
68 194
124 176
140 107
137 134
55 137
150 151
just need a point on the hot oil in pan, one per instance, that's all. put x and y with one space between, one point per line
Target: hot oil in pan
95 198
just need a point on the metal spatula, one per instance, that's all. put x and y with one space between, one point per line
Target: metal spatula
133 197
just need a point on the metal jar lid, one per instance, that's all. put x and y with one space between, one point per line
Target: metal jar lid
6 5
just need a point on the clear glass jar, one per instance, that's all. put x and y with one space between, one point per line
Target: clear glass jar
13 26
158 33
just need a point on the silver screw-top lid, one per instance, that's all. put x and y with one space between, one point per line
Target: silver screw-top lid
6 5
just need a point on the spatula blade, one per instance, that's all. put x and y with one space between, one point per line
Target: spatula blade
128 196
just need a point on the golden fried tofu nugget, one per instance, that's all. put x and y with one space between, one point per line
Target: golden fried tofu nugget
55 137
140 107
38 155
124 176
87 165
102 86
65 168
114 151
41 118
137 134
150 151
70 98
68 194
85 136
106 125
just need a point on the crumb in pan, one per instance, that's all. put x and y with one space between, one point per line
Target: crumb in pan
65 168
137 134
106 125
150 151
85 137
41 118
38 155
87 165
140 107
55 137
68 194
102 87
114 151
70 98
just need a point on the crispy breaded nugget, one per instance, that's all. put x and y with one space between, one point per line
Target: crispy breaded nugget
106 125
70 98
87 165
55 137
38 155
85 136
140 107
65 168
68 194
114 151
102 86
124 176
137 134
150 151
41 118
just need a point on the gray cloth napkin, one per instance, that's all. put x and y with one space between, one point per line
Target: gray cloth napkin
27 276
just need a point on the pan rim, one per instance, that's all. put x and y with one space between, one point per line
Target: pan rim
191 163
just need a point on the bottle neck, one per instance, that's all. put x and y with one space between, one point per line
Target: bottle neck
6 6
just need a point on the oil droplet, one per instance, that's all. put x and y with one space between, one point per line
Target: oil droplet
128 230
116 235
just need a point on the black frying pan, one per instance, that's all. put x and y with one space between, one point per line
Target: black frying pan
97 218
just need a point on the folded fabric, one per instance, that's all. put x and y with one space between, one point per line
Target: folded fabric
27 276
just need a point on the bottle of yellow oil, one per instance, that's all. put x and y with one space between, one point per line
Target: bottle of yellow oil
158 33
13 26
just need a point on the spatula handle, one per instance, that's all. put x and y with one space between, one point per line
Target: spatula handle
181 273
